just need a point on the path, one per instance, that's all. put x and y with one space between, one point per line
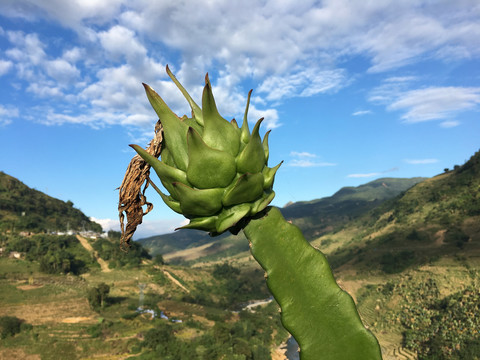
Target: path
256 303
175 281
103 264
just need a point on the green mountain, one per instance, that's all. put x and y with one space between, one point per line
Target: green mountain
314 217
317 217
436 218
26 209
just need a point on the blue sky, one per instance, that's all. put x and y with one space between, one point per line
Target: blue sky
352 90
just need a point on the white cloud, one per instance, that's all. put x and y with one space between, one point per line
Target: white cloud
421 161
147 228
5 66
431 103
107 224
361 112
449 124
73 55
6 115
61 71
290 49
158 227
306 159
120 41
303 154
435 103
303 83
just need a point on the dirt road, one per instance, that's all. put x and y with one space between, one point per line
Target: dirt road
103 264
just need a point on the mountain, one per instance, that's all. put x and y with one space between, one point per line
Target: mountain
26 209
437 218
317 217
314 217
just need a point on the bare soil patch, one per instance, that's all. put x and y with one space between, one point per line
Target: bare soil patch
9 354
53 312
279 352
103 264
79 319
29 287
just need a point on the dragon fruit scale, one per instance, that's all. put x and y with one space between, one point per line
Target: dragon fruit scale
215 172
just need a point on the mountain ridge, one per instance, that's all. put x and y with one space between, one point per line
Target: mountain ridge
25 209
313 217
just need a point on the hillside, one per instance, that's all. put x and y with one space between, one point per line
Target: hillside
317 217
411 264
26 209
148 311
314 217
437 217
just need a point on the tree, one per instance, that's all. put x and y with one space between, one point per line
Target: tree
158 259
96 296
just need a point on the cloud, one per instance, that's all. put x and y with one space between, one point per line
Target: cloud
6 114
426 104
5 66
304 83
147 228
158 227
303 154
286 49
119 41
361 112
449 124
435 103
107 224
421 161
306 159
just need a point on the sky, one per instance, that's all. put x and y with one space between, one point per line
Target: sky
352 90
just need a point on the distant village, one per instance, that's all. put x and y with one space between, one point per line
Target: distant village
86 234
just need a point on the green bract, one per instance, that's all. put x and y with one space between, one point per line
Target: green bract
216 173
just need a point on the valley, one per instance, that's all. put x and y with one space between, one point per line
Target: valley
410 258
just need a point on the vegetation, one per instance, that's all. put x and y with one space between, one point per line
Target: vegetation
250 336
230 288
97 295
26 209
442 328
11 325
423 304
314 218
109 250
318 217
56 254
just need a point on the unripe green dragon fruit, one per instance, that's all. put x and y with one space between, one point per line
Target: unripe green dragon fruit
216 173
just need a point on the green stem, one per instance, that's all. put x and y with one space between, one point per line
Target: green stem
321 316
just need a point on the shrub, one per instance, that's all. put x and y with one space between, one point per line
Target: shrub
9 326
96 296
393 263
